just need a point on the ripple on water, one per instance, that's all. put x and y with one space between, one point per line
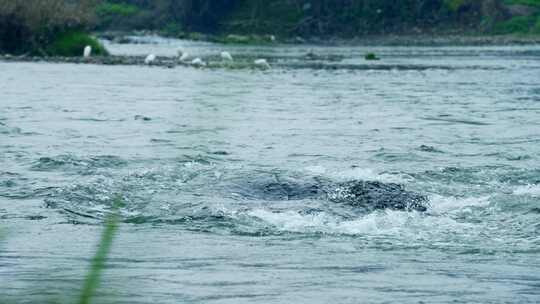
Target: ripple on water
6 130
458 121
474 160
79 164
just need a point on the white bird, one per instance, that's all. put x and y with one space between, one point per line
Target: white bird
226 56
150 59
182 54
198 62
184 57
262 63
180 51
87 51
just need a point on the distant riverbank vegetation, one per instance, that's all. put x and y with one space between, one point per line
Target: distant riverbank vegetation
59 27
322 18
525 18
47 27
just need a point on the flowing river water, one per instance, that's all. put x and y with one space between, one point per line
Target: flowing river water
184 146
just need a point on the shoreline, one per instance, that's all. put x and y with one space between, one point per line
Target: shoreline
438 40
129 60
247 62
431 40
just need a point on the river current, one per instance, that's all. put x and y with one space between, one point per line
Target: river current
181 146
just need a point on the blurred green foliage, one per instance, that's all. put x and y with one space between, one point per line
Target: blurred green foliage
536 28
116 9
32 26
94 275
535 3
454 5
290 18
97 266
516 25
72 44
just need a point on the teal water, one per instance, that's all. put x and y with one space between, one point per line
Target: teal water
458 124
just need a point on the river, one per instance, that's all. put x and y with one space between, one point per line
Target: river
460 125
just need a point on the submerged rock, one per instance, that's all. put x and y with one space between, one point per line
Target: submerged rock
141 117
364 195
371 56
371 195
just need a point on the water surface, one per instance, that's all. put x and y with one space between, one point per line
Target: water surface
458 124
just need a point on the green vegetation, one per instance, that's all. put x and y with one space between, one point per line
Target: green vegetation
245 39
56 27
118 15
98 262
371 56
93 276
454 5
517 25
536 28
524 24
263 17
43 27
116 9
253 19
71 44
535 3
173 29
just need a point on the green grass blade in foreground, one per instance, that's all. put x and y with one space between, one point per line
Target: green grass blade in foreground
98 262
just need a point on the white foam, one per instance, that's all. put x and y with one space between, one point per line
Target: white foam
319 170
358 173
442 204
532 190
396 223
291 221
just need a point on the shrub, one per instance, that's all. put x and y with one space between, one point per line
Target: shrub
454 5
524 2
516 25
33 25
173 29
123 16
117 9
71 44
536 28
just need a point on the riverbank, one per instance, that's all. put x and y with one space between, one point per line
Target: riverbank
64 31
126 37
46 28
123 60
286 58
309 61
435 40
310 18
303 58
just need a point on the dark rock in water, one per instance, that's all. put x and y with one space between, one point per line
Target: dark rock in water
430 149
311 56
371 56
290 191
365 195
535 210
273 188
143 118
219 153
371 195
